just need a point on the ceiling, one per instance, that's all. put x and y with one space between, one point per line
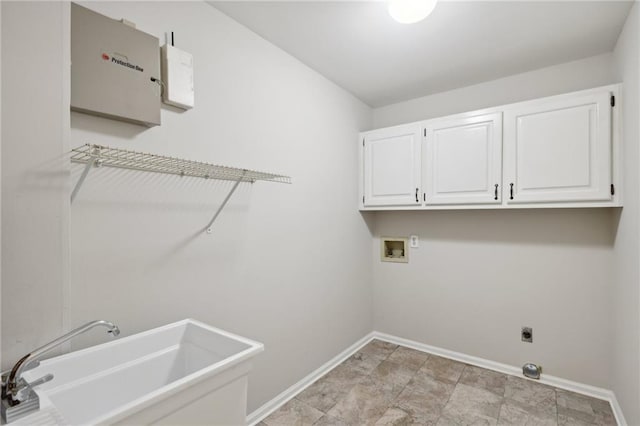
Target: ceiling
359 47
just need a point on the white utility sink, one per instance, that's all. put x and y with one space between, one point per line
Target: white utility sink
183 373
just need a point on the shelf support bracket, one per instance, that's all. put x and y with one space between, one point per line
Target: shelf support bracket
224 202
83 176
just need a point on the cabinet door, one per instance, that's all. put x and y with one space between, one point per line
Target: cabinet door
559 149
464 160
392 166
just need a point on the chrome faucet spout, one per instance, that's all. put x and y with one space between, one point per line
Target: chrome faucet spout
12 388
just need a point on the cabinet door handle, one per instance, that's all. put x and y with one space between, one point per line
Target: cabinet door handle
495 193
511 191
417 190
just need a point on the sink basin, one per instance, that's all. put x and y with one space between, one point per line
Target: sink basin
182 373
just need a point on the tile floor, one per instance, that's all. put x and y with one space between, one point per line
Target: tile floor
387 384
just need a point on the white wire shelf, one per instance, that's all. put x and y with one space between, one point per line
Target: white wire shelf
134 160
103 156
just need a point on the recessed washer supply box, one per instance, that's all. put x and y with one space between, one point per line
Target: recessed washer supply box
112 67
394 249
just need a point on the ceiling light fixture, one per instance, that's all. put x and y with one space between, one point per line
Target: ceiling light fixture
410 11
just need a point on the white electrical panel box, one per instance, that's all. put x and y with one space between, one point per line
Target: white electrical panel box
115 69
177 77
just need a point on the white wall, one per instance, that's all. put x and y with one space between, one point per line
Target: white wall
567 77
287 265
625 361
35 177
481 275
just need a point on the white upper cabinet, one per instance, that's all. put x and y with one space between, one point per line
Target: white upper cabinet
463 160
559 149
391 166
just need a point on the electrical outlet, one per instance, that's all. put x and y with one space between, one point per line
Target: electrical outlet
527 334
414 242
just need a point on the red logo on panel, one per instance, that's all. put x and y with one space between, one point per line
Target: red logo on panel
105 56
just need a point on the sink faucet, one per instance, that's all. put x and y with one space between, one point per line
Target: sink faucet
15 390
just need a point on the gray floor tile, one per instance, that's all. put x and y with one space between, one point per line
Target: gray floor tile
325 392
517 414
485 379
391 373
564 420
572 401
449 421
294 413
573 407
395 416
425 383
330 421
364 404
346 373
531 393
408 357
469 405
364 362
424 398
379 349
443 368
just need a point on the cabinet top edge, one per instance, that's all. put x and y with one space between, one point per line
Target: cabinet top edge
613 88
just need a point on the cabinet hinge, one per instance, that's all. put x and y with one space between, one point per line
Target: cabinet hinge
613 190
613 100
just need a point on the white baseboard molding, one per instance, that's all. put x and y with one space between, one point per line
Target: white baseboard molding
617 410
556 382
271 406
